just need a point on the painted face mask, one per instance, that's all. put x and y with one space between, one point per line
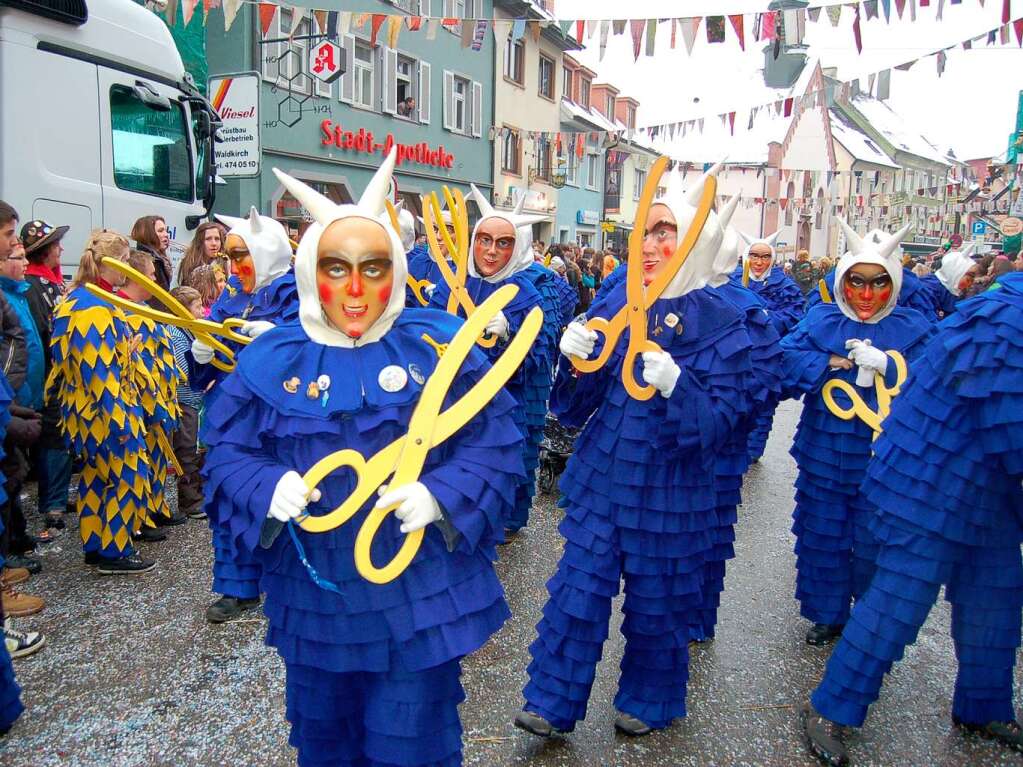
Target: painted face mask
347 265
955 272
258 249
870 276
760 255
497 251
493 246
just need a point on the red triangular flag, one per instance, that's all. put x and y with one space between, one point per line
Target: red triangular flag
857 35
378 21
580 27
900 7
731 122
1006 11
788 107
1018 26
740 32
266 16
638 29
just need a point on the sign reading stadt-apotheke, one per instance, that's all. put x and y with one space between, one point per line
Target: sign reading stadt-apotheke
366 142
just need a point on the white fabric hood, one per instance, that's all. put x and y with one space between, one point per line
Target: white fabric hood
267 242
371 206
522 256
728 254
769 242
954 266
864 251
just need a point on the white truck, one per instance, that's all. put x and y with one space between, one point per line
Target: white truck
99 122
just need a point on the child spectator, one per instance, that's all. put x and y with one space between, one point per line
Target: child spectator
186 439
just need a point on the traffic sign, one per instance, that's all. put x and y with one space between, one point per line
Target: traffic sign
979 228
325 62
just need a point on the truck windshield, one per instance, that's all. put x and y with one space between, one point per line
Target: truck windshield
151 149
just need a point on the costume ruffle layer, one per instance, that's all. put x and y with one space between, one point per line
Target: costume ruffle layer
10 693
784 299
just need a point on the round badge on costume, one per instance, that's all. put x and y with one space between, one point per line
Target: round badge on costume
416 373
323 382
392 378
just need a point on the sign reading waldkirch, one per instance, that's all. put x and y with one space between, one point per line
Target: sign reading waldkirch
236 99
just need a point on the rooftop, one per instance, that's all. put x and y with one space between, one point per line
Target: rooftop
894 129
857 143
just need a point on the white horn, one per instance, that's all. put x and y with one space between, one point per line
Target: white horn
229 221
727 211
968 250
888 246
376 190
519 204
321 208
486 209
772 239
693 197
854 240
254 221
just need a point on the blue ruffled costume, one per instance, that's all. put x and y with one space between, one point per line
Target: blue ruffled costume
946 480
531 385
834 551
944 299
10 692
914 294
372 673
420 267
639 500
235 572
733 460
786 305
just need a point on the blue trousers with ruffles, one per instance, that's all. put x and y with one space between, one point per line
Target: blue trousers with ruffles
235 573
760 431
985 587
661 595
396 718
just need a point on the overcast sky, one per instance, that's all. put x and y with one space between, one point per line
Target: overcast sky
971 108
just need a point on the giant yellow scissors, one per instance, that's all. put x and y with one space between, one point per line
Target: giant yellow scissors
640 298
417 287
206 331
457 246
402 461
859 408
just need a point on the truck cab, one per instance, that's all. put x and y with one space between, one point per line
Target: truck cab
100 124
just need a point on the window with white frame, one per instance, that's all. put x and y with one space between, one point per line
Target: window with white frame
631 117
514 60
459 97
566 83
284 63
572 166
639 181
412 7
544 151
461 9
406 88
364 76
584 91
593 171
545 78
463 105
511 152
610 107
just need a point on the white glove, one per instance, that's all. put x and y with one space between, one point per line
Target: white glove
661 372
256 328
498 326
416 506
868 359
203 353
578 341
290 498
428 290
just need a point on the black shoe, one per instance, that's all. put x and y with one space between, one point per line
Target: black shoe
534 724
174 521
92 558
197 514
821 634
1007 733
229 608
34 566
825 738
54 519
631 726
149 535
132 565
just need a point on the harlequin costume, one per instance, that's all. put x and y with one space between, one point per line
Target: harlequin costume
732 460
10 692
785 305
915 294
639 501
946 481
93 382
156 380
531 385
944 283
834 549
372 671
272 300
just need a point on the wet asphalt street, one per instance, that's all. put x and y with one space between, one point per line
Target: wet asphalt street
134 676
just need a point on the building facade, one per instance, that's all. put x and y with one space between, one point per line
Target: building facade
433 98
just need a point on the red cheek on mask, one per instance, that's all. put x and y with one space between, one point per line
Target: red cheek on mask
385 294
885 295
666 252
850 294
326 294
245 270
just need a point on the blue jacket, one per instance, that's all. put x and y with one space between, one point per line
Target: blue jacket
31 393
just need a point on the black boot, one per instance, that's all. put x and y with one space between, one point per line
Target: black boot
630 725
821 634
149 535
229 608
1007 733
825 738
534 724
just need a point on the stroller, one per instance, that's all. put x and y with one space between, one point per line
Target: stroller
555 448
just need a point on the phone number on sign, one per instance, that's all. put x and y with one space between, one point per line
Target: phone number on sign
239 164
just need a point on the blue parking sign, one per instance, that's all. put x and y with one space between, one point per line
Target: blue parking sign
979 228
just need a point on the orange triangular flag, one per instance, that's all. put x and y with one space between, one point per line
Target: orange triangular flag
266 17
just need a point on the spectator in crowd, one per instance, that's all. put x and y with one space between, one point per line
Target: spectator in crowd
209 280
152 236
407 107
190 403
609 265
207 247
46 290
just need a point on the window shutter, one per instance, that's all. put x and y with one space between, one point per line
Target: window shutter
389 80
424 7
449 95
424 92
346 90
322 88
449 9
477 109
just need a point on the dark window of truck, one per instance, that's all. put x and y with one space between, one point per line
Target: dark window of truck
151 147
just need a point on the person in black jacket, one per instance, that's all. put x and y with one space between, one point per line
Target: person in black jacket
152 236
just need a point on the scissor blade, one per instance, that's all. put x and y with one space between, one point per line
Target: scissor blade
155 290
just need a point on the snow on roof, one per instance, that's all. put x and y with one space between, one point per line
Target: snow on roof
894 129
857 143
572 111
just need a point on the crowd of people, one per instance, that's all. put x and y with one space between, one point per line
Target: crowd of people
908 449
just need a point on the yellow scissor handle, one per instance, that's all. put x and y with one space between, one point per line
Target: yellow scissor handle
164 443
745 273
638 297
822 287
418 287
859 408
405 456
457 247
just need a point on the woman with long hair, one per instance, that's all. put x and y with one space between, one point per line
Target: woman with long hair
209 280
207 247
100 413
152 236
